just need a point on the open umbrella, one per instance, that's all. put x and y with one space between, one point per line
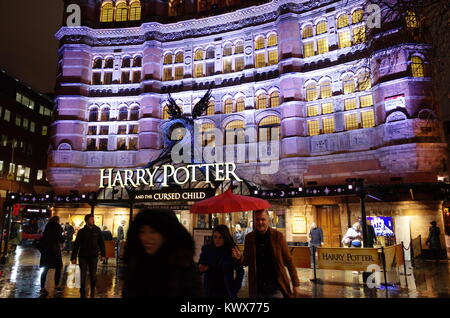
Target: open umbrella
228 202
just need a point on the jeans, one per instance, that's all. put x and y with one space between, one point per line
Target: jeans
85 263
44 276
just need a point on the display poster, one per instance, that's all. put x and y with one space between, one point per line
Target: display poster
355 259
394 102
383 225
299 225
201 237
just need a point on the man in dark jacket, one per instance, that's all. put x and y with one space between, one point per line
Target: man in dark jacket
70 231
316 238
371 236
88 244
434 240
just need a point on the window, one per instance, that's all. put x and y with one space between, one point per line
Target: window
198 70
321 27
313 127
344 39
417 67
342 21
210 109
121 144
351 121
233 137
92 130
359 35
125 77
7 115
96 78
132 143
133 129
349 85
311 92
307 32
107 78
3 140
363 81
260 43
239 48
104 130
166 114
357 16
48 112
240 104
328 125
135 10
91 144
227 50
105 114
228 106
137 61
325 89
134 113
199 55
167 59
123 113
227 66
210 68
210 53
368 119
179 72
350 104
207 135
109 63
106 13
411 19
167 74
322 45
44 130
137 76
312 110
274 99
25 123
97 63
239 64
261 101
41 110
273 57
32 126
179 57
1 168
308 49
268 127
18 120
272 40
103 144
121 11
126 62
260 60
40 175
93 114
327 108
366 101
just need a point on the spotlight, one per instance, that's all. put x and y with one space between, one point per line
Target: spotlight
300 189
350 187
256 192
47 196
13 197
83 196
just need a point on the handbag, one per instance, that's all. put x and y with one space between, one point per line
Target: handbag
73 276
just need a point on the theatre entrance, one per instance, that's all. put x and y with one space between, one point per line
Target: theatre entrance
328 218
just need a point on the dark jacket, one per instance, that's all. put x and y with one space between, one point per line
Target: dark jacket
220 279
283 260
50 247
168 274
434 238
69 233
371 236
316 236
107 236
89 243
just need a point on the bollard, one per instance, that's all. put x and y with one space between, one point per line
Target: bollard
315 280
386 284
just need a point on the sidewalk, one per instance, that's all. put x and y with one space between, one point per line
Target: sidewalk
20 278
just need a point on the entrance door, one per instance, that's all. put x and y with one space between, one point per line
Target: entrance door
328 218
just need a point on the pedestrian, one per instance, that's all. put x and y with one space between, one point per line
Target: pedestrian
87 247
371 236
222 274
50 246
434 241
120 238
70 231
159 258
315 238
107 236
266 254
353 236
238 234
15 236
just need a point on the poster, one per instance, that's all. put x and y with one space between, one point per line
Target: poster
383 225
299 225
201 237
354 259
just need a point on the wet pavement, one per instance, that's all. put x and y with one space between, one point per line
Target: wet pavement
20 278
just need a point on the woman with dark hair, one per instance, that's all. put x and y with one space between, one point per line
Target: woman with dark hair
219 267
159 258
50 247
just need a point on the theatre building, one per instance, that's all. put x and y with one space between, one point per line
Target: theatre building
307 75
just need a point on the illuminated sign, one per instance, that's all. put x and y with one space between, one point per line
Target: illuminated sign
33 211
394 102
110 178
173 195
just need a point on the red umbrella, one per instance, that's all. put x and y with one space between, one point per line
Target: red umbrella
228 202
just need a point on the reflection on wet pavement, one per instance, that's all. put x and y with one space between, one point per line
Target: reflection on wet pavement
20 278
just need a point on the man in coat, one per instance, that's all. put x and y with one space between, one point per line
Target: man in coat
371 236
266 254
87 247
434 240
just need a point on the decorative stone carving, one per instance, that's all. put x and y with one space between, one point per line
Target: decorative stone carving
64 147
396 116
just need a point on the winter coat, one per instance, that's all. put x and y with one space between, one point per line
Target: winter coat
89 243
219 280
283 259
50 246
434 238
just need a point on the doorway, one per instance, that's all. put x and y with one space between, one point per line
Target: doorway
328 218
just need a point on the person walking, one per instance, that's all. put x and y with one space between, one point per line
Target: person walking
120 238
266 254
50 246
222 273
107 236
371 235
159 258
434 240
315 238
70 231
87 247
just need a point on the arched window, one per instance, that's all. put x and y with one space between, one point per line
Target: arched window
126 62
97 63
260 43
166 114
210 53
325 89
227 49
168 58
239 48
307 32
411 19
228 106
342 21
208 135
272 40
109 63
123 113
234 133
364 81
199 55
311 92
274 99
134 113
121 11
210 110
269 129
179 57
93 114
261 101
240 104
135 10
357 16
137 61
349 84
105 114
106 12
417 67
321 27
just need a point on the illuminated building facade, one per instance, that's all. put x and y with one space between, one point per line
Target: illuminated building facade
299 68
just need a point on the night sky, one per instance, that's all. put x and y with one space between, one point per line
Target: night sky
28 46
